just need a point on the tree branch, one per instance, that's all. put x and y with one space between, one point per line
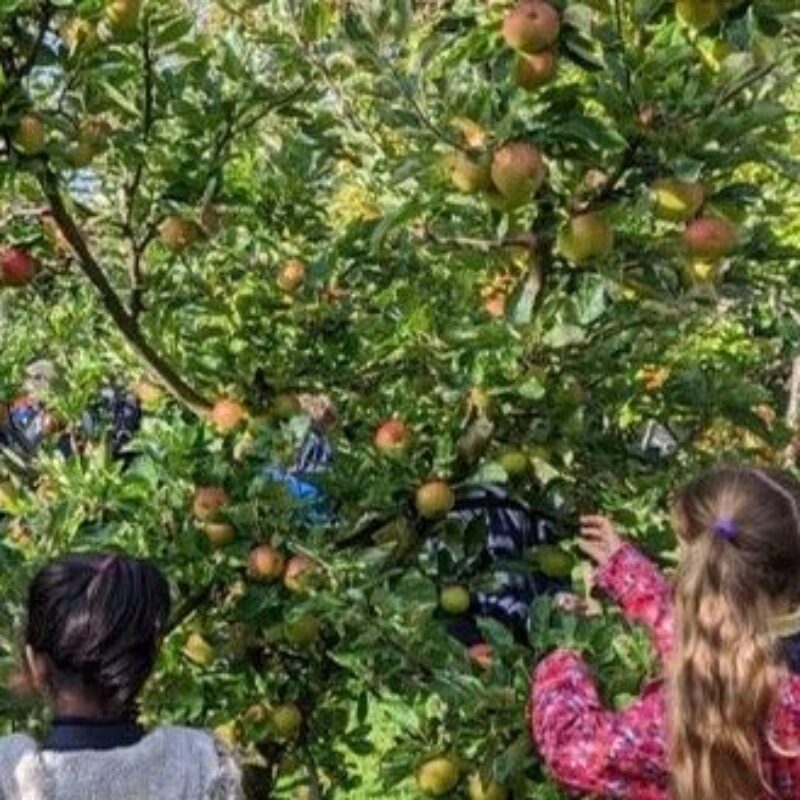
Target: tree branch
126 324
609 186
426 236
18 73
190 605
136 303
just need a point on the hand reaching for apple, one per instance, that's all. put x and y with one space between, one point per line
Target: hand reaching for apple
599 538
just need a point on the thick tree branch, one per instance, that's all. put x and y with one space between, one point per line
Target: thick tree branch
125 323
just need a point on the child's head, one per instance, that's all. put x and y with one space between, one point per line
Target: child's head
93 631
739 571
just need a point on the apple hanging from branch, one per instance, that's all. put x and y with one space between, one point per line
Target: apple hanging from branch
531 26
17 266
518 172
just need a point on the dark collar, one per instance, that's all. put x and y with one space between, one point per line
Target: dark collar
77 733
790 647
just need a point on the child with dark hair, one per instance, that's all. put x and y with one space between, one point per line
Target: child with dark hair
94 628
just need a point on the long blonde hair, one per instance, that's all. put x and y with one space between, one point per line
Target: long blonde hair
740 531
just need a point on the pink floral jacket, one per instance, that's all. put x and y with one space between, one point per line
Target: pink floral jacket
591 750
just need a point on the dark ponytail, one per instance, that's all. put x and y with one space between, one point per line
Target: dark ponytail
98 620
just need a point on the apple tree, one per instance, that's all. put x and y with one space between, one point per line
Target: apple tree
545 244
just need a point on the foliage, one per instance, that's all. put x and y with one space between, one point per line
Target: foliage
325 132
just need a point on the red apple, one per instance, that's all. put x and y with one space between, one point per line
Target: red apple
265 563
30 135
392 437
18 267
481 655
532 26
177 233
587 236
710 238
299 570
227 415
291 276
219 534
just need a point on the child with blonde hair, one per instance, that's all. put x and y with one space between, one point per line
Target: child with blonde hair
723 722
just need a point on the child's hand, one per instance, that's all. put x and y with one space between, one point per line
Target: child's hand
599 539
580 606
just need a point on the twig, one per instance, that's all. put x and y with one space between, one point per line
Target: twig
21 213
314 786
18 73
609 186
419 111
733 92
136 303
427 236
190 605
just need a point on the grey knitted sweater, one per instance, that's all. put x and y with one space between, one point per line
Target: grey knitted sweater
167 764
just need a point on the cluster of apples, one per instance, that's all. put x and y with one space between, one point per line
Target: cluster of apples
439 776
532 29
265 563
282 722
706 239
510 177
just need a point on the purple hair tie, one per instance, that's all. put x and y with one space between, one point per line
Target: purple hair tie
726 528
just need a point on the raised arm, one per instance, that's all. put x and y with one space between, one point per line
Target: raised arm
589 749
628 576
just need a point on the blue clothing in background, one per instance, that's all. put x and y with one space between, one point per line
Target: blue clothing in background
313 458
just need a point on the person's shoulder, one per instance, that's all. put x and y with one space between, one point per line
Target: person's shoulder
13 748
196 740
202 746
188 737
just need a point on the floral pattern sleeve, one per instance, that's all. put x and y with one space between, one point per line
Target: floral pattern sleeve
590 749
643 593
